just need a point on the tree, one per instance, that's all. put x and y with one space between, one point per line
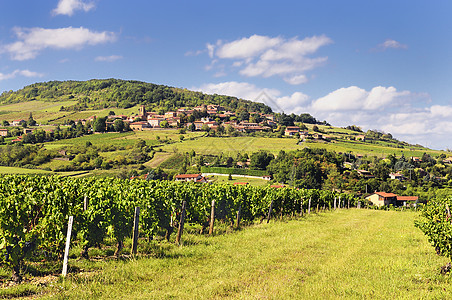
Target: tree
31 121
111 113
164 124
5 123
261 159
118 125
99 125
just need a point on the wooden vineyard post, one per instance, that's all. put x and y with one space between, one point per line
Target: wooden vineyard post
212 217
334 203
136 220
317 210
85 203
301 208
181 223
309 205
238 216
270 212
339 202
68 242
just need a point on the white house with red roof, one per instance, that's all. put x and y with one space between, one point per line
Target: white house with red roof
382 198
191 177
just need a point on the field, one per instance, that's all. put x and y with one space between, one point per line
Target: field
14 170
343 254
235 179
233 145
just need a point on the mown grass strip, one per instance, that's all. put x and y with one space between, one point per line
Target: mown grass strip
344 254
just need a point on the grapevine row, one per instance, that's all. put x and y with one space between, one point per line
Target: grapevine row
34 209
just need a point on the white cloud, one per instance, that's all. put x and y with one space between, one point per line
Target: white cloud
31 41
296 80
110 58
248 91
391 44
246 47
241 90
25 73
354 98
265 56
68 7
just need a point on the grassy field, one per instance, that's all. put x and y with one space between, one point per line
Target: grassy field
356 254
224 179
233 145
14 170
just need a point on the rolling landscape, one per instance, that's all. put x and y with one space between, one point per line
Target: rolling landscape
225 150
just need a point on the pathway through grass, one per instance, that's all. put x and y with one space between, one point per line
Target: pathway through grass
343 254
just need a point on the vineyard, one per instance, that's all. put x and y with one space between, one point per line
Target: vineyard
436 223
34 210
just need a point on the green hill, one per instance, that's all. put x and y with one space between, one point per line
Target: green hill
99 94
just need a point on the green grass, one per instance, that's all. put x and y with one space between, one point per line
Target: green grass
354 254
380 150
224 179
15 170
233 145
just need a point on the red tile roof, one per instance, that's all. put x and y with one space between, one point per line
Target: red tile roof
407 198
188 175
386 195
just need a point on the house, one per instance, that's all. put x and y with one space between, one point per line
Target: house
292 130
360 137
241 183
139 125
170 114
17 122
415 159
155 122
198 125
267 177
28 130
397 176
365 174
382 198
3 132
407 200
191 177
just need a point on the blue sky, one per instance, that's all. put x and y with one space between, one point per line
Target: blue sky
377 64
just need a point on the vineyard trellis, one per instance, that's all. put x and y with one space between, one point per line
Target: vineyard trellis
34 210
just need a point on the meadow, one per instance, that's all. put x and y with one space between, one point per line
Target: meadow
352 254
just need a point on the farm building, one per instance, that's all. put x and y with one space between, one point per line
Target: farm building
191 177
382 198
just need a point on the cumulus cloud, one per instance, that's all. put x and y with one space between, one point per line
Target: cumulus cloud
266 56
354 98
31 41
68 7
391 44
25 73
110 58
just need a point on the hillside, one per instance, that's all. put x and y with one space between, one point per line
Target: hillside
99 94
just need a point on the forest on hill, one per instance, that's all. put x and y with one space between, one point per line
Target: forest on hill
106 93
